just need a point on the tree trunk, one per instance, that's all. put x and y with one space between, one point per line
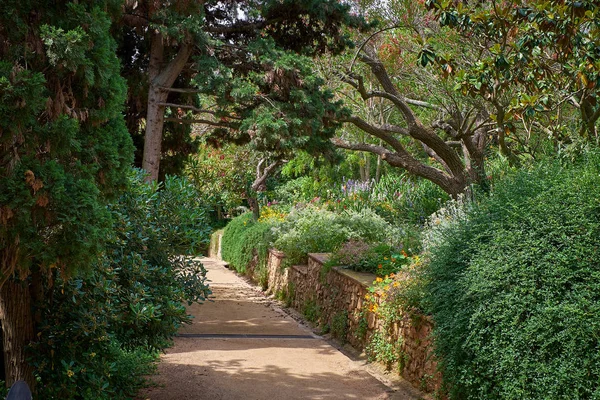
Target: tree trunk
154 128
254 206
160 78
17 330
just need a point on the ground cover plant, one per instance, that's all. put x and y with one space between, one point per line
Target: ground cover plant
514 288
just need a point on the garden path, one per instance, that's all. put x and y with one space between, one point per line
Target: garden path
241 346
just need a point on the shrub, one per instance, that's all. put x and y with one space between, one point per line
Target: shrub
100 332
245 244
514 289
381 259
314 230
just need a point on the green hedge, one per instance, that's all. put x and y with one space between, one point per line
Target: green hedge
514 289
243 239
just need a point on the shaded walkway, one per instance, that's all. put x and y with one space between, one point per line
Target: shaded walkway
241 347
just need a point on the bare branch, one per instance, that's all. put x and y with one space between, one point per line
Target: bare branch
448 183
378 132
188 107
425 104
180 90
168 75
261 178
200 121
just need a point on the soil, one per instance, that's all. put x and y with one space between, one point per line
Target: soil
242 345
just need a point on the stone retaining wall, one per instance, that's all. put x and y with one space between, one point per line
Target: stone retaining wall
277 275
336 297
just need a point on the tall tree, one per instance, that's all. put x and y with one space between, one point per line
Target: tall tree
64 148
538 59
241 63
413 120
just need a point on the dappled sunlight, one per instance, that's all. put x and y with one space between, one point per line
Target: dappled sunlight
265 380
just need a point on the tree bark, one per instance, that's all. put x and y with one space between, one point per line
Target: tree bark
255 207
160 79
17 330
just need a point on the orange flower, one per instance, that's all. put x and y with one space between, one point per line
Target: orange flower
380 266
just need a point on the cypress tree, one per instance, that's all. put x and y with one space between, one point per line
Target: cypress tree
64 148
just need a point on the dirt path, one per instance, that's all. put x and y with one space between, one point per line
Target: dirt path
240 346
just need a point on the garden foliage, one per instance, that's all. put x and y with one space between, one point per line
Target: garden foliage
99 332
514 289
378 259
245 245
316 230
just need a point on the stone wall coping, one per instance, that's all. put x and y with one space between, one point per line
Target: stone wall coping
277 253
303 269
320 257
364 278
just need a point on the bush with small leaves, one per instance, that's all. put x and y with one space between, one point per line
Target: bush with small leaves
514 289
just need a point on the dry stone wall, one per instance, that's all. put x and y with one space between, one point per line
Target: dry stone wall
337 297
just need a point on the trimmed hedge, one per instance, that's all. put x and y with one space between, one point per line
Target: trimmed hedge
243 239
514 289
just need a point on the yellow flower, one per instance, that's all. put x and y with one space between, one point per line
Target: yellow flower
367 296
387 287
396 284
379 280
70 373
385 258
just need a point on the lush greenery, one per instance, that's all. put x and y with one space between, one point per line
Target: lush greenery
100 332
379 259
64 152
514 288
245 245
315 230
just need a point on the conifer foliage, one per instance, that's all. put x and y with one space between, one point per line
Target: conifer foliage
64 149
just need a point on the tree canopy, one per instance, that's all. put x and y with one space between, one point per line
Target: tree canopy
240 67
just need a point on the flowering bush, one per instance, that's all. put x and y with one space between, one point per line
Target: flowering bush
391 298
379 259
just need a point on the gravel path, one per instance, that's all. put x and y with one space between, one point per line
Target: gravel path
241 346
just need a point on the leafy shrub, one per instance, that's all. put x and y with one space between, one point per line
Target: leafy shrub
381 259
245 244
313 230
383 350
515 289
100 332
